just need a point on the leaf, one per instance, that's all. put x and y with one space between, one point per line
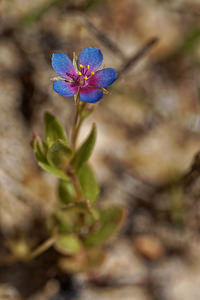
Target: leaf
109 223
68 244
40 149
53 170
83 261
58 155
85 150
95 257
88 183
66 221
74 217
53 130
66 191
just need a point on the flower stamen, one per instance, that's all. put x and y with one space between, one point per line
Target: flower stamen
83 73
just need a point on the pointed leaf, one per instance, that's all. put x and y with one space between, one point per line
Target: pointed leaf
66 191
58 155
85 150
40 149
88 183
53 170
110 220
53 130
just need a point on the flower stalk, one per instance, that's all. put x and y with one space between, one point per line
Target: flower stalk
77 224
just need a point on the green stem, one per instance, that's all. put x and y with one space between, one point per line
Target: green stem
76 187
89 207
74 134
78 120
42 248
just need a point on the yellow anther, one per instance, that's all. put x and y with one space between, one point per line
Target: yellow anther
81 66
85 77
88 67
79 73
92 73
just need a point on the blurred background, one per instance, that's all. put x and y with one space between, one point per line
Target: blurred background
146 156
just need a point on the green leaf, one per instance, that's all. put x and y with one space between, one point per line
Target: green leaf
85 150
74 217
40 149
58 155
88 183
53 130
53 170
66 221
95 257
68 244
82 262
110 220
66 191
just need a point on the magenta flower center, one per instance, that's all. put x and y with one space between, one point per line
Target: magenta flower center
80 79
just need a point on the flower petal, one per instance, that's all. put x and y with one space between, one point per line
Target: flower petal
90 95
62 64
103 78
92 57
64 88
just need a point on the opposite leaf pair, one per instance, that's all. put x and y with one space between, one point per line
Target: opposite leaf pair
76 223
54 155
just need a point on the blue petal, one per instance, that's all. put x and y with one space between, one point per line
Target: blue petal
90 95
62 64
64 88
103 78
92 57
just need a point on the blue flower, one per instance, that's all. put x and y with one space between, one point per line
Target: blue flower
86 77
